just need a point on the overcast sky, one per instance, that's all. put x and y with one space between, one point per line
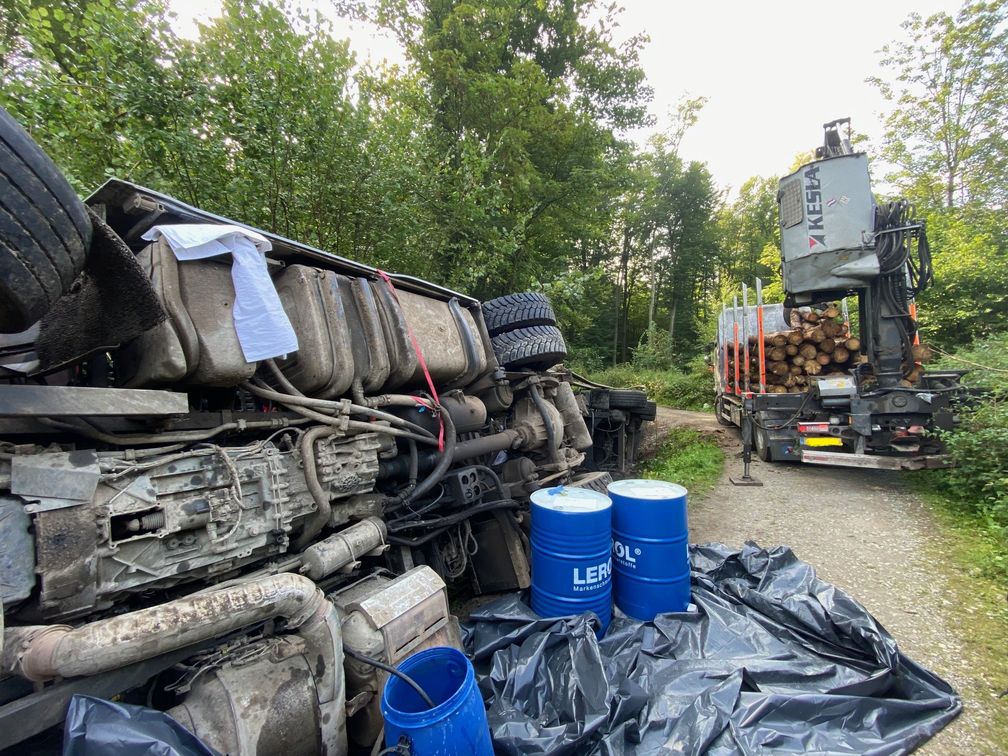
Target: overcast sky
773 72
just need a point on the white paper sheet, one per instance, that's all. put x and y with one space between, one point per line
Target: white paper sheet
263 327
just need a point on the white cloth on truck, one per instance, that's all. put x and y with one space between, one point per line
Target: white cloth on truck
263 328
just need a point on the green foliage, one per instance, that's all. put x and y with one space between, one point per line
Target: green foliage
977 487
88 80
945 133
264 118
525 99
669 248
264 97
584 302
946 83
749 228
654 350
691 389
970 297
980 450
987 363
688 458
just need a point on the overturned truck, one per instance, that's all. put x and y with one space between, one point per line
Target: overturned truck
236 471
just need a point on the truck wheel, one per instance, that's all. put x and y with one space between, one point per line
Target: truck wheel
537 347
648 412
630 399
596 481
528 308
761 443
45 231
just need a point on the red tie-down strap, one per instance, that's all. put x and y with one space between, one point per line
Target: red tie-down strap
423 366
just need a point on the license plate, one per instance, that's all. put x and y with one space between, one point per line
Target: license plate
822 441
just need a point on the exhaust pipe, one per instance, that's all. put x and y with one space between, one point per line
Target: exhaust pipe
42 652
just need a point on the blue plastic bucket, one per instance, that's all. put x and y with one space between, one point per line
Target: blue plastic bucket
572 553
456 726
650 548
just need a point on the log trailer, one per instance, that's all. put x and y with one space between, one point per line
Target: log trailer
784 373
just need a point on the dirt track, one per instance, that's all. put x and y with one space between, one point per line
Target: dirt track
864 532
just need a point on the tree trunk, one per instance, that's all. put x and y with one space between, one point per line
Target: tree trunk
627 285
621 286
652 279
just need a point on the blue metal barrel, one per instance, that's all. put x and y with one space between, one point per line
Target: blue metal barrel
650 549
572 553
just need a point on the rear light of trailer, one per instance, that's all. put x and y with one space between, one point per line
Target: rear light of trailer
813 427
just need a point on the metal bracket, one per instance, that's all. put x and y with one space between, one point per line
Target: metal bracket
71 401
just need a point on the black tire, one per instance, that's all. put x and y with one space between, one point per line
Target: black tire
45 231
648 412
595 481
528 308
537 347
761 443
627 399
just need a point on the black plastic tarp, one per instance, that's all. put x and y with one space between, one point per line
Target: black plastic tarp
95 727
771 660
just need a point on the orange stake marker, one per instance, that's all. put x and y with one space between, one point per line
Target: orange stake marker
738 388
759 336
724 375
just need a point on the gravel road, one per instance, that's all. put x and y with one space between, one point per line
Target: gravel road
866 533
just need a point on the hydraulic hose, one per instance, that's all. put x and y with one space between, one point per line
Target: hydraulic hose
323 509
435 528
292 401
289 387
407 400
42 652
392 671
447 457
358 426
169 437
413 473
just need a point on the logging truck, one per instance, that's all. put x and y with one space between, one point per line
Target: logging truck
799 381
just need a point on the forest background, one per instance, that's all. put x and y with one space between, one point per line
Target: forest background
498 160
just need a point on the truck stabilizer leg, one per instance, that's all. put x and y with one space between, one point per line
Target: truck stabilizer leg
746 479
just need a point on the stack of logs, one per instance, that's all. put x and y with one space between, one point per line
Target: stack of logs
819 343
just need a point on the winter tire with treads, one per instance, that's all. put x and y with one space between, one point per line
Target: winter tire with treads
527 308
537 347
45 231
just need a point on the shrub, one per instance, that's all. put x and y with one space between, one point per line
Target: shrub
687 458
978 483
980 449
691 389
654 350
